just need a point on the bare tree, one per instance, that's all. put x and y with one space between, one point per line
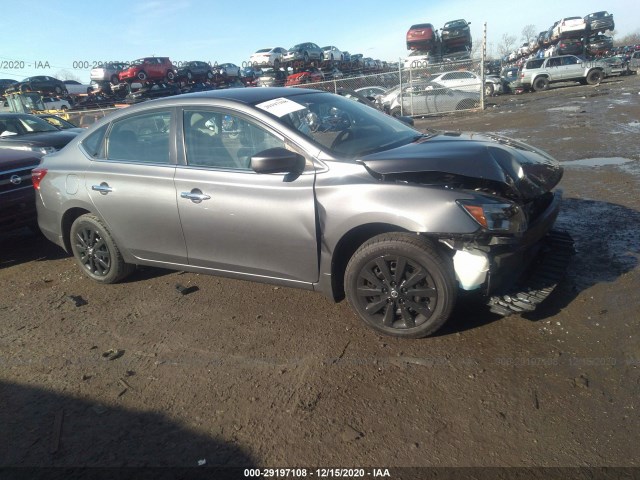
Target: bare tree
529 33
66 75
507 44
630 39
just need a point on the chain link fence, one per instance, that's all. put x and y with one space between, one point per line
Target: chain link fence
418 87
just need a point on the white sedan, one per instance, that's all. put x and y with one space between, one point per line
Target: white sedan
52 103
467 82
332 53
268 56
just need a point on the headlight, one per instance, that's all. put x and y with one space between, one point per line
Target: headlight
496 216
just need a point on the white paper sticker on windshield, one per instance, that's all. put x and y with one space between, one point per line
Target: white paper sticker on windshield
280 106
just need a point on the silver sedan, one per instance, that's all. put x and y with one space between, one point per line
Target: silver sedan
304 189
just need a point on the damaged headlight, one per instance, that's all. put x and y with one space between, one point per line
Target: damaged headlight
496 216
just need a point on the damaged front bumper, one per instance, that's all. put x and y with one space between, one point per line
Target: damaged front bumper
516 273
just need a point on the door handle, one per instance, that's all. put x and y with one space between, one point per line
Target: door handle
103 188
195 196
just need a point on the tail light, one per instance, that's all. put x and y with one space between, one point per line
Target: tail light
37 174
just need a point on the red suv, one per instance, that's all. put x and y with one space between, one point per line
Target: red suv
421 37
149 68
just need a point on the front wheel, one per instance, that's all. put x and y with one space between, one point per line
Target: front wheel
594 77
96 252
400 285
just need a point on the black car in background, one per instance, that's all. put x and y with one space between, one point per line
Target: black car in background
18 205
6 83
455 34
28 132
94 101
599 44
195 70
599 22
570 46
39 83
272 78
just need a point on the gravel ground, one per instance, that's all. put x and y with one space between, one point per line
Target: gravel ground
239 373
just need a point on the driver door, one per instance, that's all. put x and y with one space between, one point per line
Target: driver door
256 226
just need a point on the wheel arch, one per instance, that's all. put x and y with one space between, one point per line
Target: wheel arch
67 220
344 250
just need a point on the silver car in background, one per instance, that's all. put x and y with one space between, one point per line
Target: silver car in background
306 189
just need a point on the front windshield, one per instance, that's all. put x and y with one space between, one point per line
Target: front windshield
344 128
456 24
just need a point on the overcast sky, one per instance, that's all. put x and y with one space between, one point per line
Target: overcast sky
78 33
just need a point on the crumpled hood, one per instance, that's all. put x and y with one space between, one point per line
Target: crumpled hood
525 170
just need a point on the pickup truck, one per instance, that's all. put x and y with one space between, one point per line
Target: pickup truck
538 74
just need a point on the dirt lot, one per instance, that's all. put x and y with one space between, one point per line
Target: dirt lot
238 373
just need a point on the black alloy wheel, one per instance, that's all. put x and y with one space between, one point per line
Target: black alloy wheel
95 251
400 285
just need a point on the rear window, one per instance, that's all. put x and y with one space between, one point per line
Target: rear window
537 63
421 25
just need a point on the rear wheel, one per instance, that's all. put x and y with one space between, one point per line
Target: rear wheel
115 80
400 285
57 89
142 76
395 112
540 83
170 77
594 77
96 252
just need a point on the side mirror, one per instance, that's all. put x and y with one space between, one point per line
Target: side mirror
277 160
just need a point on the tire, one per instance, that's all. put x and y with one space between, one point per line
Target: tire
171 76
142 76
189 75
209 75
115 80
305 57
95 251
594 77
395 112
57 89
400 285
276 64
540 84
488 89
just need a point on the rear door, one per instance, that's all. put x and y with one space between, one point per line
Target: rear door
131 185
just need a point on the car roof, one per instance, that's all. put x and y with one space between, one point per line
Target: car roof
243 95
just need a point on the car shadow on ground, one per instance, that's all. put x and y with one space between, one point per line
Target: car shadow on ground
24 245
49 429
607 242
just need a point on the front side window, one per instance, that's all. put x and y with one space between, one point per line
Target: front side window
142 138
221 140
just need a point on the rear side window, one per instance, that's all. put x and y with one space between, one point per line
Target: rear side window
142 138
94 143
534 64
